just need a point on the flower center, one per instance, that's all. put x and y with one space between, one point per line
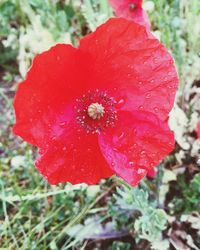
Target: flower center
95 111
132 6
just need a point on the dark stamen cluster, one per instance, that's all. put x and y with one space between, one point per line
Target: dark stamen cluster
109 117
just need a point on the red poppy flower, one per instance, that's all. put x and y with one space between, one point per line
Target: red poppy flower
99 109
132 10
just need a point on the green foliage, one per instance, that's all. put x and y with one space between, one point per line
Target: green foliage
120 246
179 28
30 27
188 200
96 12
148 223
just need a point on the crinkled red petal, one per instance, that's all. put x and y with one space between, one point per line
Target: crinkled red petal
43 99
73 157
137 144
126 58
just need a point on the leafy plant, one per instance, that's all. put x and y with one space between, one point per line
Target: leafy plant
149 221
96 12
188 199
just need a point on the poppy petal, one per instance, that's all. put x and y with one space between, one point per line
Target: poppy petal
137 144
43 99
74 157
126 57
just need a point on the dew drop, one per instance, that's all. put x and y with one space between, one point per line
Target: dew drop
121 135
141 108
148 95
132 6
140 171
115 149
130 66
171 86
156 109
64 148
62 124
131 163
155 60
165 79
120 103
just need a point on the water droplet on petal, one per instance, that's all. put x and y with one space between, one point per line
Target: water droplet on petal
115 149
120 103
141 107
62 124
148 95
155 60
131 163
112 164
165 79
156 109
121 135
141 171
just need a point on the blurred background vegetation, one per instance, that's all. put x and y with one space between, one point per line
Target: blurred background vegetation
162 213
